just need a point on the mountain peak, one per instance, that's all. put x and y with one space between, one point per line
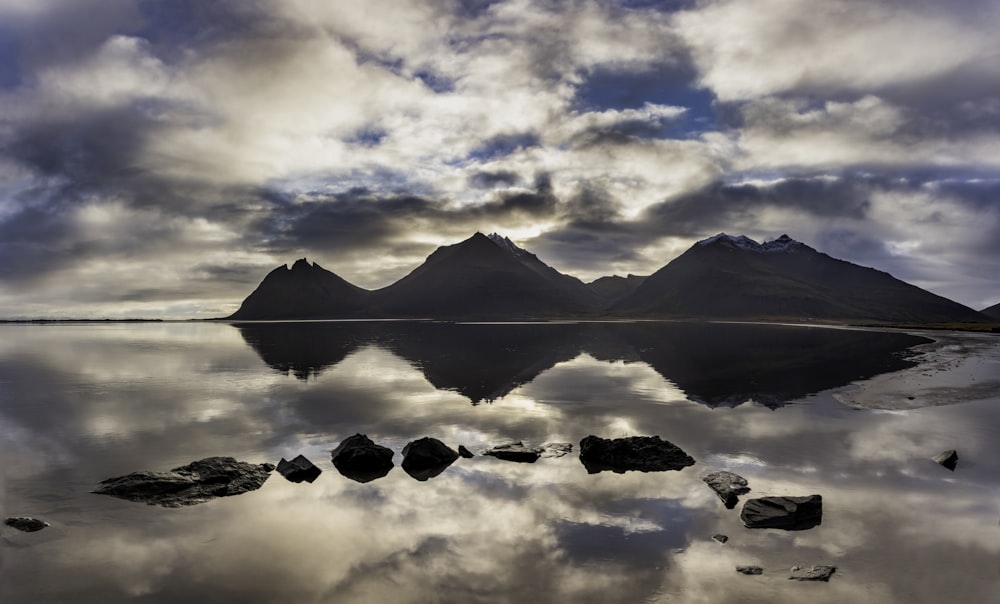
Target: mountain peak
507 244
781 244
301 264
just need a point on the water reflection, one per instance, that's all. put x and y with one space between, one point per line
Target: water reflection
713 364
80 404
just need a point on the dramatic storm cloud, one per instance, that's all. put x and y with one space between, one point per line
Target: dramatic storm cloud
158 157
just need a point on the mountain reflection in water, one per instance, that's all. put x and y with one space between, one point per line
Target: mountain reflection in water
719 365
81 403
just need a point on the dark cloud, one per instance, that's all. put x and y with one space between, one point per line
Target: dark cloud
502 145
733 207
487 180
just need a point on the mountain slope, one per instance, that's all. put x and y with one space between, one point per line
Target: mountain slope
993 312
305 291
478 278
614 288
736 277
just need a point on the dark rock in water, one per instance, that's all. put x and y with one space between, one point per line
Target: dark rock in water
720 537
813 573
299 469
427 457
197 482
28 525
556 449
360 459
948 459
788 513
727 486
515 452
467 454
640 453
750 570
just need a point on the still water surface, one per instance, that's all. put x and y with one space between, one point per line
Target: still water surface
81 403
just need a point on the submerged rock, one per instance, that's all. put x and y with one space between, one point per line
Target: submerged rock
750 570
728 486
813 573
299 469
552 450
427 457
465 453
197 482
640 453
948 459
360 459
26 524
515 452
788 513
720 537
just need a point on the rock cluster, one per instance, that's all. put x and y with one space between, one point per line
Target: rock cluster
360 459
299 469
26 524
634 453
788 513
728 486
427 457
197 482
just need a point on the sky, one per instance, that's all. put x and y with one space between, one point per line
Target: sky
159 157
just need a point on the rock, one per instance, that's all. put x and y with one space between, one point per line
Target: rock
515 452
948 459
813 573
195 483
750 570
465 453
720 537
788 513
427 457
728 486
556 449
299 469
641 453
28 525
360 459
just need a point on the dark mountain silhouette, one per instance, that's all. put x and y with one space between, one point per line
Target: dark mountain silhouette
722 277
481 279
305 291
614 288
736 277
993 312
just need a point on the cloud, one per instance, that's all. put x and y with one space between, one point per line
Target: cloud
596 131
801 47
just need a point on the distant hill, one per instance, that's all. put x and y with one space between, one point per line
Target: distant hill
305 291
735 277
993 312
483 278
614 288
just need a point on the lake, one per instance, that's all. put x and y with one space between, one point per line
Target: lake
853 415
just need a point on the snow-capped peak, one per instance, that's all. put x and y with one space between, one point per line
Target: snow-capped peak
781 244
507 244
740 241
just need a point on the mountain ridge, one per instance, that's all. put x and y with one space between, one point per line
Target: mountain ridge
720 277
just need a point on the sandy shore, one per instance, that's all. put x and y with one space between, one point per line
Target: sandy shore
957 367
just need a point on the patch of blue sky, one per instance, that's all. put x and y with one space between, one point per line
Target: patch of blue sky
667 84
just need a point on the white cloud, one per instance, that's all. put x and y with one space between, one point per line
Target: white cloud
751 50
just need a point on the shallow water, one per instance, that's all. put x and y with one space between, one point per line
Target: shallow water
81 403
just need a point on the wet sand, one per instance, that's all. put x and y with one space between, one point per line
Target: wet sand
957 367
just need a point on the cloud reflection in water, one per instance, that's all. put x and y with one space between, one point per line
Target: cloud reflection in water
80 404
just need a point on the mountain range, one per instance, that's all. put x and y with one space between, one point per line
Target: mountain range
722 277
